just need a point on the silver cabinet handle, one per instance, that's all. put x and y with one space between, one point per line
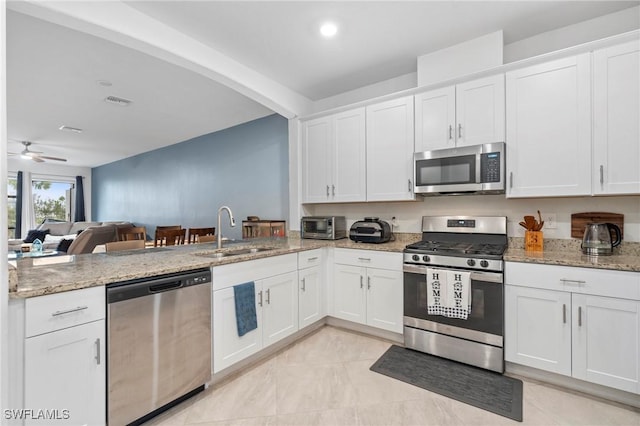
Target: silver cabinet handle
510 179
97 357
327 190
364 259
566 281
68 311
450 131
579 316
311 259
333 190
459 130
409 185
361 281
260 296
601 174
368 283
304 285
564 313
268 296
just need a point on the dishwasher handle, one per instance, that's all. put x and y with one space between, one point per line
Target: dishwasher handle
159 288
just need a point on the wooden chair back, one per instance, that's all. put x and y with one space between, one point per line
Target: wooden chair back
170 237
124 245
207 239
160 229
133 233
196 233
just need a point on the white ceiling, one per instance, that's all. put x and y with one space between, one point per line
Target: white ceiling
52 71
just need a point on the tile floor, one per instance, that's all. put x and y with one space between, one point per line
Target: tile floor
324 379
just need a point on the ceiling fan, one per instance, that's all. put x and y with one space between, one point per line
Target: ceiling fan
27 154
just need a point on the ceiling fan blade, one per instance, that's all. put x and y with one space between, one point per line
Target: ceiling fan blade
45 157
37 159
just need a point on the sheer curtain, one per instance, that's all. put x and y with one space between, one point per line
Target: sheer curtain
28 215
79 210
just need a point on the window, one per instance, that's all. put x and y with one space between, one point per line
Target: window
52 200
12 192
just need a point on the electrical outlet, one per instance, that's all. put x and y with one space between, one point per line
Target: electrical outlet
549 220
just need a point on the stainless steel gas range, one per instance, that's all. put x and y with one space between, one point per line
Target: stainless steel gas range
454 292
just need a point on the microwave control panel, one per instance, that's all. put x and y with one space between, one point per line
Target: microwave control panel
490 167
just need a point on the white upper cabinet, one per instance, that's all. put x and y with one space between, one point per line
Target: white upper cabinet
333 158
390 150
616 112
549 128
470 113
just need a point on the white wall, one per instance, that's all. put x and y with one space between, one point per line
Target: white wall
409 214
4 278
55 170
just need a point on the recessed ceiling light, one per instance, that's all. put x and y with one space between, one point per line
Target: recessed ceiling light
105 83
328 29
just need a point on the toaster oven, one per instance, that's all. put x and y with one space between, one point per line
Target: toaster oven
323 227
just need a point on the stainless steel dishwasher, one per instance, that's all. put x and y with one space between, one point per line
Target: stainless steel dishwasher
158 344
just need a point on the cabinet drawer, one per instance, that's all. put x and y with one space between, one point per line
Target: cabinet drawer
600 282
369 258
62 310
307 259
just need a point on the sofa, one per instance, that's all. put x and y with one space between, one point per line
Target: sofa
55 232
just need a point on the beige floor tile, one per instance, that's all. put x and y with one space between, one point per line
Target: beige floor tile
303 388
252 394
254 421
338 417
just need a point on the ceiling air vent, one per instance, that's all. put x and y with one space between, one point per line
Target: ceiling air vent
117 101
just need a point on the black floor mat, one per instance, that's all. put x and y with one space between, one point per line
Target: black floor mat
474 386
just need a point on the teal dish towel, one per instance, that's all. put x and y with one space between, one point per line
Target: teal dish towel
245 299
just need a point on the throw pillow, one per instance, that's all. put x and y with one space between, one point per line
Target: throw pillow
34 233
64 245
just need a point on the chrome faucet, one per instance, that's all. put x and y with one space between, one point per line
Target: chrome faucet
232 221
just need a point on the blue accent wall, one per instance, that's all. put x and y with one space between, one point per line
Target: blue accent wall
245 167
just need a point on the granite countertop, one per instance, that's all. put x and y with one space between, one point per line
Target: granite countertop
39 276
47 275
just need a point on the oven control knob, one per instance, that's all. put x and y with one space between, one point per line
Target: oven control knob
471 262
426 258
484 263
415 258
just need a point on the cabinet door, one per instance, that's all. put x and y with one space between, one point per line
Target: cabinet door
390 150
480 111
549 129
349 159
606 341
616 108
538 328
316 160
435 119
279 307
228 347
349 297
65 370
384 299
310 296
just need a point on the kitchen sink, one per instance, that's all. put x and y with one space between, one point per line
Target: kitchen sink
237 252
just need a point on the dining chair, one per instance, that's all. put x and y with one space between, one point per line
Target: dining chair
132 233
159 229
124 245
170 237
207 239
196 233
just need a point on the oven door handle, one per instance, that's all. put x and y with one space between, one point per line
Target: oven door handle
492 277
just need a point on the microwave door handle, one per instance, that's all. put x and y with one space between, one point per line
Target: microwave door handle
478 165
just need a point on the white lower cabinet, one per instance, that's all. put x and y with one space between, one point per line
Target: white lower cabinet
368 294
64 358
311 278
565 320
276 288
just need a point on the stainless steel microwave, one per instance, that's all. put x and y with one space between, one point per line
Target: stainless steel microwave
323 227
476 169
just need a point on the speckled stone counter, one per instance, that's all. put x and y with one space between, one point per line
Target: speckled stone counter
40 276
568 253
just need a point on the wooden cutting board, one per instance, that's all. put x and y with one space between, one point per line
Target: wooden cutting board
580 220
